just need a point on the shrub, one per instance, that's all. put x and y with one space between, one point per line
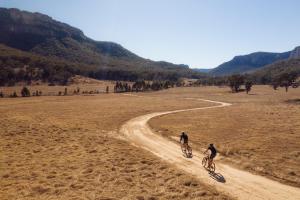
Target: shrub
13 95
25 92
235 82
285 80
248 86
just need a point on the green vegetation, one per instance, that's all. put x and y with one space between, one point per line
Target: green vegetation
270 73
285 80
235 82
20 66
52 51
248 86
25 92
143 86
248 63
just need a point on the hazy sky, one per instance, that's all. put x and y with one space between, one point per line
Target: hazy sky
200 33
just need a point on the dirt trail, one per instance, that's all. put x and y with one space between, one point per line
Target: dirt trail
237 183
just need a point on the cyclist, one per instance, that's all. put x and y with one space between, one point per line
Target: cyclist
213 153
184 140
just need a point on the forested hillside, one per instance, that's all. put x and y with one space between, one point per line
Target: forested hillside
64 51
248 63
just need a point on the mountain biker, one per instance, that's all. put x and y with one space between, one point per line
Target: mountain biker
184 140
213 153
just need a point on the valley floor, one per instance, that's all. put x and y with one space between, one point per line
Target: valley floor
259 133
70 147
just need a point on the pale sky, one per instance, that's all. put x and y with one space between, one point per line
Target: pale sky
200 33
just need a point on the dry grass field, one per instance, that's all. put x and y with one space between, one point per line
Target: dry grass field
68 147
84 84
259 133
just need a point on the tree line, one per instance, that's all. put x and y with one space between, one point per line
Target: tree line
143 86
236 81
18 66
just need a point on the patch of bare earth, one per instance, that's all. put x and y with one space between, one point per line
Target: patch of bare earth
69 148
259 133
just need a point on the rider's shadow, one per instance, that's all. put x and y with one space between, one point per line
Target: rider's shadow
188 155
217 176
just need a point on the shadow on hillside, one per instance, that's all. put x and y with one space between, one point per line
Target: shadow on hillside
218 177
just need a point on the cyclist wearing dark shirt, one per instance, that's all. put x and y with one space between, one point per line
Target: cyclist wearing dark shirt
184 138
213 153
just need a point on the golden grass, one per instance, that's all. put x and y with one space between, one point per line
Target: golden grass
260 132
99 87
69 148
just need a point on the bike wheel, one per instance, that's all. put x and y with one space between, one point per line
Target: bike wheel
204 161
189 150
212 167
182 149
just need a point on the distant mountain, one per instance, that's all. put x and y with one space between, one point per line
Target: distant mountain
269 72
41 35
248 63
295 53
201 70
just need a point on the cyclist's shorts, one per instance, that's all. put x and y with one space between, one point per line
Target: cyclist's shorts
212 156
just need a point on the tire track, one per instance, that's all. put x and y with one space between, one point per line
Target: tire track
237 183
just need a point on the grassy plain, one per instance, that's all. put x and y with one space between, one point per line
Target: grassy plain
84 84
69 147
259 133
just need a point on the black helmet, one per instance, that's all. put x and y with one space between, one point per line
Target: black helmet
211 145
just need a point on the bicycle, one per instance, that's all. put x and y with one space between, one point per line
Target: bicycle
205 160
186 150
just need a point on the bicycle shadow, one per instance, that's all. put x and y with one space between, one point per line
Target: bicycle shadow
188 155
218 177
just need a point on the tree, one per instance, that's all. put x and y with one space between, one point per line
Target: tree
285 80
248 86
14 95
275 85
235 82
25 92
285 84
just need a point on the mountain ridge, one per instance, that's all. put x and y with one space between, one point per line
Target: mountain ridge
36 32
40 34
248 63
295 53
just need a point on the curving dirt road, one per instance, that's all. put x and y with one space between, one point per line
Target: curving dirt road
237 183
